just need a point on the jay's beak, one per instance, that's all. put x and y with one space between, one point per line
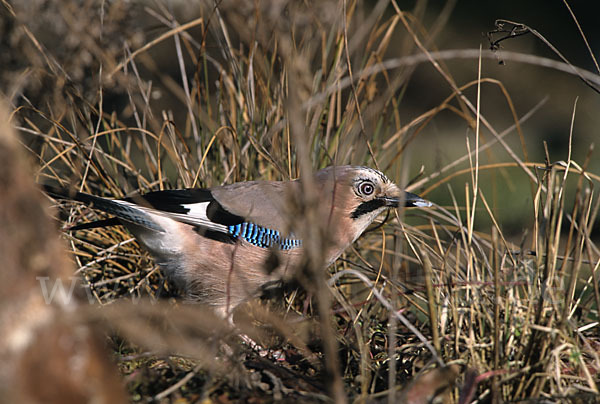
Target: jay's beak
409 200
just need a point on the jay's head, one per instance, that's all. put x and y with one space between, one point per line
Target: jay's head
360 194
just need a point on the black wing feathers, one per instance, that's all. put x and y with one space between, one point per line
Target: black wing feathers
127 213
173 200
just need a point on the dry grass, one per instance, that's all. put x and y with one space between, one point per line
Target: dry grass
272 90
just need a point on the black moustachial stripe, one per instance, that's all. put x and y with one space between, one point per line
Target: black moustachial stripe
367 207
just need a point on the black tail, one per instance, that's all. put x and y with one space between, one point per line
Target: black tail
123 211
112 221
96 202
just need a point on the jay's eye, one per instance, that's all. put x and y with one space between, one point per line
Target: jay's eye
366 188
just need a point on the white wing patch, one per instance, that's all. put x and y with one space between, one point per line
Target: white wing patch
195 217
194 221
197 210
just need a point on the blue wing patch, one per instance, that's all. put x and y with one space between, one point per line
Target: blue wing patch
263 237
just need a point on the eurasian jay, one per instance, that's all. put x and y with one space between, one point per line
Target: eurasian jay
222 245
